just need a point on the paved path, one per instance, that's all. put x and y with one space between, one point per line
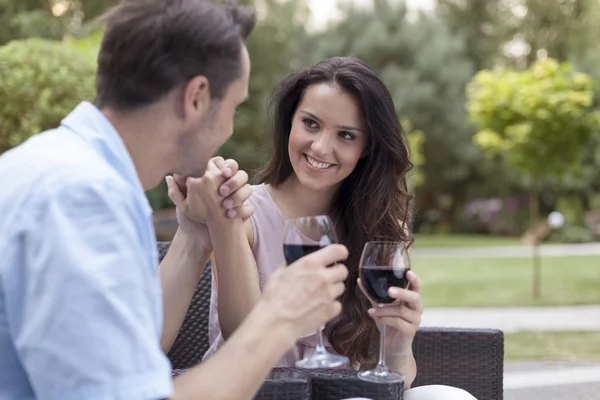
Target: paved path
547 250
513 319
551 381
575 391
532 380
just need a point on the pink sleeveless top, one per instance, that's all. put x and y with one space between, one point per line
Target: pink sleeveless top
268 223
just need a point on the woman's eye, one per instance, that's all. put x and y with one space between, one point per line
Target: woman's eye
346 135
310 123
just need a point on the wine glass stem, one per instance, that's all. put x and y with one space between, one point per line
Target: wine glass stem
320 345
381 365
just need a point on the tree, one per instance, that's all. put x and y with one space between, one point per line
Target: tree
426 70
538 120
273 53
485 26
415 148
48 19
561 29
41 81
272 48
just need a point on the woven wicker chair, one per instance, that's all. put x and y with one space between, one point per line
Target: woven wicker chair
471 359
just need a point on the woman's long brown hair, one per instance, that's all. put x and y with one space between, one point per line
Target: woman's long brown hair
372 203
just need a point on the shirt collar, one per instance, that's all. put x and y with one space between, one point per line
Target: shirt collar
87 121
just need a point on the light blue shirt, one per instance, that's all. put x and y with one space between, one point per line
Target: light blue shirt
80 295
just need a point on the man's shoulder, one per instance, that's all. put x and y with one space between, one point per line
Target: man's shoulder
55 159
51 166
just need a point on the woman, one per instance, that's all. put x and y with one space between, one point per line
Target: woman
339 149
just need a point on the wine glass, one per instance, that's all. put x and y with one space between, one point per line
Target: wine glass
383 265
303 236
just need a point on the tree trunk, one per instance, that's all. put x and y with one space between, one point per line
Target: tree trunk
534 210
537 271
534 206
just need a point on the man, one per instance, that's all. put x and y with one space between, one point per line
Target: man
81 303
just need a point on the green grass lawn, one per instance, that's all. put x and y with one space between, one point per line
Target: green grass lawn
573 346
472 282
422 240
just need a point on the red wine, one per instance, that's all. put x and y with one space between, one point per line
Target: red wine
293 252
377 280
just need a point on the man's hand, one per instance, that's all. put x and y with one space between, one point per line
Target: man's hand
233 190
296 301
303 296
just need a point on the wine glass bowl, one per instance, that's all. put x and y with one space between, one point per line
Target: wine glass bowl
383 264
303 236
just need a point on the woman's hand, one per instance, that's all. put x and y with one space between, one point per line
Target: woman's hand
402 318
222 190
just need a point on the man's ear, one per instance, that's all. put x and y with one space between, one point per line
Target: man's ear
196 95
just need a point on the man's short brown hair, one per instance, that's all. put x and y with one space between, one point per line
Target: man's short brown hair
151 47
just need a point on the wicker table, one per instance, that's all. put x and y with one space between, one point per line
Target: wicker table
321 384
470 359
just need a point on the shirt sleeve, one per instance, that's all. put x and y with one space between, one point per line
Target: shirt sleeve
84 315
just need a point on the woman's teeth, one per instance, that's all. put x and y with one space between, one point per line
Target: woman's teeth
317 164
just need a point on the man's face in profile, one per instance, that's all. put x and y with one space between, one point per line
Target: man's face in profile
215 127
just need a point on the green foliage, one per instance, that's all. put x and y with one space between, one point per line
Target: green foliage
484 25
571 233
273 53
49 19
41 81
89 43
425 68
416 139
539 120
562 29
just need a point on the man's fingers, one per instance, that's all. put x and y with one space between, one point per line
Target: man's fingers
174 192
181 182
337 273
328 255
333 310
337 289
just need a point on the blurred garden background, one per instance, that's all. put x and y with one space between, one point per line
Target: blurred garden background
500 99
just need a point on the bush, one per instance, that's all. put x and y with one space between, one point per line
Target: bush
571 234
41 81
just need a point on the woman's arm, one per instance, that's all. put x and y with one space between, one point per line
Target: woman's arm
405 365
296 300
184 263
236 272
180 272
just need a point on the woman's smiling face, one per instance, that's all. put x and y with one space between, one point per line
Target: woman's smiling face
327 138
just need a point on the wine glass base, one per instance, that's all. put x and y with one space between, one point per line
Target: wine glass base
325 360
380 376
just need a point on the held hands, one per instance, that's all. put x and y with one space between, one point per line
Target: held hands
223 189
402 318
303 296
